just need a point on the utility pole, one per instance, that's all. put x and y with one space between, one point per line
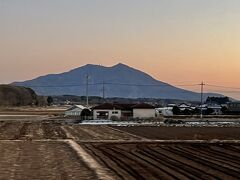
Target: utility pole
103 89
87 77
103 83
202 84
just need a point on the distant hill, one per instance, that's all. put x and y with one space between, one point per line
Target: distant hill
94 100
18 96
119 81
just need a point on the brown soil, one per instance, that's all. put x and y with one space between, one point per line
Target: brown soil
89 132
41 150
184 133
41 160
169 161
30 131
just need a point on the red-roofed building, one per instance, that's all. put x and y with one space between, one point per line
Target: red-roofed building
115 110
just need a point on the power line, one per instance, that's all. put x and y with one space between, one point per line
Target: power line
222 91
218 86
105 83
202 84
103 90
55 86
87 78
232 90
129 84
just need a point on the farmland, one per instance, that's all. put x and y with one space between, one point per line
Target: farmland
45 149
184 133
41 160
168 161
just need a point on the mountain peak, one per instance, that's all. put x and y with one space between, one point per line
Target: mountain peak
89 65
120 65
117 76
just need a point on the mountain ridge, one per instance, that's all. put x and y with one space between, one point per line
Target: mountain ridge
118 80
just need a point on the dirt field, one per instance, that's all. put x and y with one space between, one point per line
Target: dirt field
32 111
184 133
50 150
30 130
14 130
168 161
89 132
41 160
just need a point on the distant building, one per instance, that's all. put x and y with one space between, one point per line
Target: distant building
115 110
183 109
204 107
184 106
107 111
217 109
171 105
234 107
143 111
78 110
165 111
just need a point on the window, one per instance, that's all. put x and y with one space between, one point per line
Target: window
102 114
115 112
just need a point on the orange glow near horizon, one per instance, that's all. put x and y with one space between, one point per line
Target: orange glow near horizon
176 42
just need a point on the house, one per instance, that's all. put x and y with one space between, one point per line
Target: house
171 105
117 111
234 107
184 106
204 107
216 109
143 111
107 111
165 111
78 110
168 109
177 109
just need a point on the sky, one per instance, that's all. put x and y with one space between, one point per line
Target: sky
175 41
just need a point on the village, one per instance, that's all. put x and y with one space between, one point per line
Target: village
59 143
119 111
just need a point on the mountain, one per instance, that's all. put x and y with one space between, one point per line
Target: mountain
118 81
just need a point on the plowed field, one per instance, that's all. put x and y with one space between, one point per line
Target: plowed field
168 161
184 133
51 150
30 130
41 160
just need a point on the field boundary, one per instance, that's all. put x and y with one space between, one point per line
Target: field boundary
68 134
130 134
130 141
86 157
89 160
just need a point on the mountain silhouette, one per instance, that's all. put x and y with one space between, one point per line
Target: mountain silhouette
117 81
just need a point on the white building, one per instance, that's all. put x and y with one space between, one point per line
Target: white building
234 107
184 106
165 111
117 111
78 110
107 111
143 111
217 109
